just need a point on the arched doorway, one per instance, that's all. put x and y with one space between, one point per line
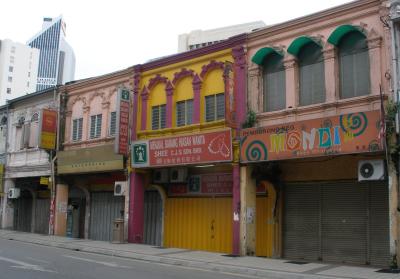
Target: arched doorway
76 213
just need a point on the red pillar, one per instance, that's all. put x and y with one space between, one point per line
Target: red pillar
136 200
236 210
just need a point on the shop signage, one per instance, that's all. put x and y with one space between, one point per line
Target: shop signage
122 125
48 129
94 159
341 134
230 111
183 150
44 180
205 184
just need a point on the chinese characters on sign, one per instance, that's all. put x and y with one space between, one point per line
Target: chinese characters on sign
183 150
121 137
48 129
341 134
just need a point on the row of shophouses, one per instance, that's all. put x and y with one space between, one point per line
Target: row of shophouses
271 143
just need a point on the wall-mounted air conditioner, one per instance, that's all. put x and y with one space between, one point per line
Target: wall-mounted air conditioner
13 193
371 170
178 175
120 188
160 176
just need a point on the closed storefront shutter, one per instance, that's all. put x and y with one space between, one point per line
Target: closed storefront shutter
199 223
152 218
105 208
42 215
379 224
23 212
301 222
348 220
344 222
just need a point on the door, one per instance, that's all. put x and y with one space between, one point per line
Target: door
23 212
152 218
203 223
267 223
42 216
105 208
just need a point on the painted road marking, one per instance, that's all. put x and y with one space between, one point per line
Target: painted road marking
24 265
109 264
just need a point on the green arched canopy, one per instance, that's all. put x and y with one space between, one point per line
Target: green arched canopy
342 30
299 42
260 55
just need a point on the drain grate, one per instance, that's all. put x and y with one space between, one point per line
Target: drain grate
296 262
388 270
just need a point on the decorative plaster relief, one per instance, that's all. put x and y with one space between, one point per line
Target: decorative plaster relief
211 66
182 74
155 80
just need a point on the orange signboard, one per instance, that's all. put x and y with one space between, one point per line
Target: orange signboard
342 134
48 129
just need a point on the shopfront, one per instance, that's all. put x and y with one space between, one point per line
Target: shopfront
329 174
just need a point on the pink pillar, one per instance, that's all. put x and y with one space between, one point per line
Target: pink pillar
136 208
240 84
170 92
145 97
136 81
236 210
196 98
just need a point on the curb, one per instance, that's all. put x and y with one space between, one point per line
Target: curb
204 265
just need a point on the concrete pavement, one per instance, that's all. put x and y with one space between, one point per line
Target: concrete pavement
253 266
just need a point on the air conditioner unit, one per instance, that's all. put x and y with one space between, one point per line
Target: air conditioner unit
120 188
160 176
371 170
178 175
13 193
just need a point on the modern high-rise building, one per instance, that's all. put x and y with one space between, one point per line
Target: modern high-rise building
201 38
18 70
57 58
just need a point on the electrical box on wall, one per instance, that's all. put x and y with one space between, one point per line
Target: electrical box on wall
371 170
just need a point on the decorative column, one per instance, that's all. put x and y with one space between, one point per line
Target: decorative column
331 74
86 122
145 97
238 54
61 203
255 98
7 217
292 81
374 50
196 83
236 210
169 89
136 208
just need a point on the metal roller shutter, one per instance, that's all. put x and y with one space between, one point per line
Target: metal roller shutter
152 218
23 213
105 208
379 224
42 215
301 222
344 222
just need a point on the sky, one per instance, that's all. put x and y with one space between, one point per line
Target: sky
112 35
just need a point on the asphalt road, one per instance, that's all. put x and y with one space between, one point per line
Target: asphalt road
20 260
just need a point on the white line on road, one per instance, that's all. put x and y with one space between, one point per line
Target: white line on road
24 265
37 260
111 264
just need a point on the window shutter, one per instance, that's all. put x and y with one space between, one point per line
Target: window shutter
98 125
220 106
210 108
180 113
80 128
163 114
155 117
34 134
25 137
189 112
75 129
274 83
92 126
113 123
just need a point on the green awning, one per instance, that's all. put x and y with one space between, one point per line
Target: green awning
259 57
342 30
298 43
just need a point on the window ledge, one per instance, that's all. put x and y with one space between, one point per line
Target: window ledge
194 128
355 101
88 142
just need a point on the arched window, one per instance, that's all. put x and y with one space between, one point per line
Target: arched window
354 65
274 82
311 74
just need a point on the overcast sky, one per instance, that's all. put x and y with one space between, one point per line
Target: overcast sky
114 34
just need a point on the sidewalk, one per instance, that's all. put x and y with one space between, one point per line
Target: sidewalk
262 267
